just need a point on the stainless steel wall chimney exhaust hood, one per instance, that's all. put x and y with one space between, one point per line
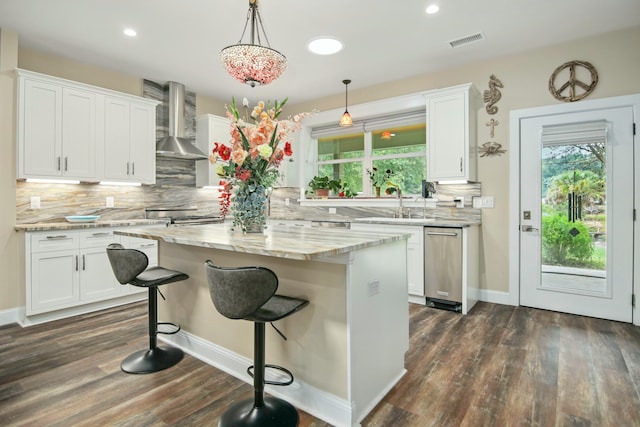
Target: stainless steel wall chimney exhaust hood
175 146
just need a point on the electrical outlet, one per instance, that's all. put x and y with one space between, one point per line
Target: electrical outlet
332 210
35 202
459 202
110 202
373 288
286 201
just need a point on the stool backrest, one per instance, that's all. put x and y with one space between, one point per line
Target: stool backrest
238 292
126 263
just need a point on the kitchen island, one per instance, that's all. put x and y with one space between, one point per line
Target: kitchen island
346 349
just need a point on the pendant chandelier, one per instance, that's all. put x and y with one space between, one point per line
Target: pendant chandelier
346 121
252 63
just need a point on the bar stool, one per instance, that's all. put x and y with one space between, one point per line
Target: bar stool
130 267
249 293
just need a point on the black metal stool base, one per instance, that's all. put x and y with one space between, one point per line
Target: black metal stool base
275 413
152 360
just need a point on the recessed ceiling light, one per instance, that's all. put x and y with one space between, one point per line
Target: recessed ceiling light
324 45
130 32
431 9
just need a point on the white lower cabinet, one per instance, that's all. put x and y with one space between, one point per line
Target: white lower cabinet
70 268
54 281
415 259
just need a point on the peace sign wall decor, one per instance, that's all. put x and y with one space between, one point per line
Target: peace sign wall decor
572 83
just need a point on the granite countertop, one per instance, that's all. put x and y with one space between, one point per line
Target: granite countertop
420 222
47 226
277 241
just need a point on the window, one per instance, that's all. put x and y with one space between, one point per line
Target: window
399 147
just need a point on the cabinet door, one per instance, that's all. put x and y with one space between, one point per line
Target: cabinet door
78 133
447 143
209 129
40 130
54 281
97 281
117 139
143 143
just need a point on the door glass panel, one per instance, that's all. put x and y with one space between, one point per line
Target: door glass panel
574 218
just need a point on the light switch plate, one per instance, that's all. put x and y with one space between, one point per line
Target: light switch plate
483 202
110 202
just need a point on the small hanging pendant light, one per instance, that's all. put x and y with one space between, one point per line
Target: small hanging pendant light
252 63
346 121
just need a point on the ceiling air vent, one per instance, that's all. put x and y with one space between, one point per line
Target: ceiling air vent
467 40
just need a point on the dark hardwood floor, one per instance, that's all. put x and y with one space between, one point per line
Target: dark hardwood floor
497 366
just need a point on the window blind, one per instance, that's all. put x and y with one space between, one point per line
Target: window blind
371 124
593 132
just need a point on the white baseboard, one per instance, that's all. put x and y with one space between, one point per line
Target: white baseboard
496 297
325 406
10 315
36 319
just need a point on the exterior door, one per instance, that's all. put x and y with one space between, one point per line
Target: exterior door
576 213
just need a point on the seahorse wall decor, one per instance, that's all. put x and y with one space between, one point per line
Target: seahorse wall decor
492 95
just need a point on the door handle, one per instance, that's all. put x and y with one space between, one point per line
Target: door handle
528 228
441 233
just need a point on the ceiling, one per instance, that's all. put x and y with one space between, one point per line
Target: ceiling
384 40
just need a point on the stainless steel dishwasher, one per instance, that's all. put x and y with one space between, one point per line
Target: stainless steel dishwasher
443 267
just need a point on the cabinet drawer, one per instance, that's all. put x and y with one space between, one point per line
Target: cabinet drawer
53 241
98 239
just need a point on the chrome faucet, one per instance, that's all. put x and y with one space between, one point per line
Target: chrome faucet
399 195
424 206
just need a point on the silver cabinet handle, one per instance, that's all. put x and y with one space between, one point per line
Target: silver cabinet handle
58 162
528 228
127 168
441 233
101 234
148 245
59 236
460 164
76 262
84 263
66 163
133 168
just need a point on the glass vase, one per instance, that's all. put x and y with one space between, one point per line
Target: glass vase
249 207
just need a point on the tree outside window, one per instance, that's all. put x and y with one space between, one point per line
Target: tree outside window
401 149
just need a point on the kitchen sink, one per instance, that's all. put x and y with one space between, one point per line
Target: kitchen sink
396 220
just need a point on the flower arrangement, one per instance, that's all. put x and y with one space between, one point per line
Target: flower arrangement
379 178
250 165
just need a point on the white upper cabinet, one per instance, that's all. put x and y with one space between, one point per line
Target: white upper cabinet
71 130
78 133
56 130
129 140
451 133
209 129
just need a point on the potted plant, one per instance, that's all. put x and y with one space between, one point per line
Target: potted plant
379 178
321 185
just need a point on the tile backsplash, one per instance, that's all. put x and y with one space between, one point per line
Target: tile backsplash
60 200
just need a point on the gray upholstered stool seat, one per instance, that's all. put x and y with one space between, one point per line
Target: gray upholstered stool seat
249 293
130 267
